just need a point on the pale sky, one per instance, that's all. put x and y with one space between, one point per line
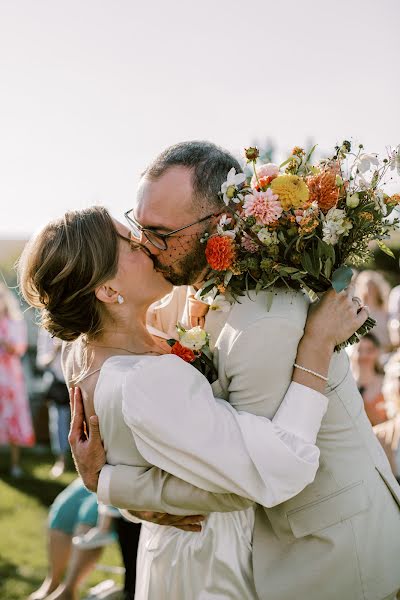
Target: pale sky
92 90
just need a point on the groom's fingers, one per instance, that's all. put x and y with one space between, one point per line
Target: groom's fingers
193 528
189 523
176 521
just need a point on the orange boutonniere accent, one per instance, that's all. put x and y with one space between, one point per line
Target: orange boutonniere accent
220 253
185 353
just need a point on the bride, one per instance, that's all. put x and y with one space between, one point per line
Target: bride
94 285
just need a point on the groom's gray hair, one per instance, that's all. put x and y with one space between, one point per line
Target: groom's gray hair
209 163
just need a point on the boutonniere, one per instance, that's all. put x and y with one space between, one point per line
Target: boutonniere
193 346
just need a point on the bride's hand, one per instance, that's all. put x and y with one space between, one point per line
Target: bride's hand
87 449
334 318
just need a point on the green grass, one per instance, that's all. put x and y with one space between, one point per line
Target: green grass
24 507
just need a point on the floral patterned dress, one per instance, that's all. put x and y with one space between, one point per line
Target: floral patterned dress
15 418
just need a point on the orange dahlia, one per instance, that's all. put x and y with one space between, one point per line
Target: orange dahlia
185 353
323 189
220 252
395 199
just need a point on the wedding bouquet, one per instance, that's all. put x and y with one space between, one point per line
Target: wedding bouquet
193 347
300 224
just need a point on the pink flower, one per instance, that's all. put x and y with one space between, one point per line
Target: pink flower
264 206
299 212
266 173
249 245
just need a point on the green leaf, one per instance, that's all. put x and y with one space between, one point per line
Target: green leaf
385 249
270 299
328 267
228 277
311 262
298 276
341 278
309 155
287 270
208 286
285 162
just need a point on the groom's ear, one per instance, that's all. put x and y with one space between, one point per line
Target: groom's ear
106 294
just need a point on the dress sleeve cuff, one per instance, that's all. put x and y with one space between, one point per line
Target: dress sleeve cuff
103 486
301 412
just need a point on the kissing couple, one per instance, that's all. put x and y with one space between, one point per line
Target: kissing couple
267 483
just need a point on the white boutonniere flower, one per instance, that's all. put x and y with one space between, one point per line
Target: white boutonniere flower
194 339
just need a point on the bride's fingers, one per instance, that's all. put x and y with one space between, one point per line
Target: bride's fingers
71 400
77 420
94 430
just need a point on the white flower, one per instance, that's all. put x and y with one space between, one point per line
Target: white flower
395 159
330 234
335 225
220 303
365 161
225 221
352 200
363 183
268 238
194 338
229 188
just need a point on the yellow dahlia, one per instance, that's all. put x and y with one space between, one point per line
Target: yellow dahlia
292 191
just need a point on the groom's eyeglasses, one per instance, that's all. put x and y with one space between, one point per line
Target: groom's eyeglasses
159 240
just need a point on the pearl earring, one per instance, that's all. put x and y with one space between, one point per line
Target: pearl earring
120 299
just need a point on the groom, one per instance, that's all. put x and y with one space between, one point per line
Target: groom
340 537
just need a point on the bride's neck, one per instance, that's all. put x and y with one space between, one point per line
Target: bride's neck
127 331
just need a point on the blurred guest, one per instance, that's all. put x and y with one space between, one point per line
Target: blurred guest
373 290
15 418
394 316
48 358
368 373
73 512
388 432
103 533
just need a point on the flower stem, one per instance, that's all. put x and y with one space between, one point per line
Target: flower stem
355 338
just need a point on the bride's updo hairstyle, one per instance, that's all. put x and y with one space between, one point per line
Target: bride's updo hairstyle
61 267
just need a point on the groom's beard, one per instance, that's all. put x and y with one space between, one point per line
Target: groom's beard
188 266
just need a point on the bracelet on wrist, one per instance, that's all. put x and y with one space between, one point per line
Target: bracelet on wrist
311 372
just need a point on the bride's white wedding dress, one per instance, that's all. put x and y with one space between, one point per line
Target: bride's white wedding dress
158 410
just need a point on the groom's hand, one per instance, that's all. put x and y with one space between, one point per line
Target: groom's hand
87 448
192 523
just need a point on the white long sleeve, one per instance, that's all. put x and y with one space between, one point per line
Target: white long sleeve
181 428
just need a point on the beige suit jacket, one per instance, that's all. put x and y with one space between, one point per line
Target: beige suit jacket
340 537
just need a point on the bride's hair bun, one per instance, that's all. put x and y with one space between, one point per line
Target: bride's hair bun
61 267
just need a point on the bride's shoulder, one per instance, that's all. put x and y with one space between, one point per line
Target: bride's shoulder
158 371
